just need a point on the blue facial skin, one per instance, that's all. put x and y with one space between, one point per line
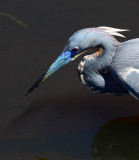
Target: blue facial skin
63 59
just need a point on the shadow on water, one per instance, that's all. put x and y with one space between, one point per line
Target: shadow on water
32 34
63 127
117 140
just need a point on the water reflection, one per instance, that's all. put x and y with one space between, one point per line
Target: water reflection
117 140
62 127
40 158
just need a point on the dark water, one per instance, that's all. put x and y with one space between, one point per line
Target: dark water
74 127
62 120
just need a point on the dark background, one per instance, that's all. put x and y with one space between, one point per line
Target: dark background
27 52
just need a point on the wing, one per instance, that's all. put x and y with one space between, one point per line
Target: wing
130 77
125 66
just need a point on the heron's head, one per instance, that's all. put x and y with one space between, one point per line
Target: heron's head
79 43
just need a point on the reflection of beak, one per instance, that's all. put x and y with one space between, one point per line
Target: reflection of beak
63 59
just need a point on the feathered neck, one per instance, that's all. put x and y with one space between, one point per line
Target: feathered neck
108 45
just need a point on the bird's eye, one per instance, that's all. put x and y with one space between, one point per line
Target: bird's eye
75 49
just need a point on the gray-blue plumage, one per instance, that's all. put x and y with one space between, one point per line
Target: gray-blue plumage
125 66
111 68
120 61
122 68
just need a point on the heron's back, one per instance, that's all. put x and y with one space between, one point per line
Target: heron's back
127 55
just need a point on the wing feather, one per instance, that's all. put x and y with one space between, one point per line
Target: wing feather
125 66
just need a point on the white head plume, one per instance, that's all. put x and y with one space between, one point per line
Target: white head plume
114 31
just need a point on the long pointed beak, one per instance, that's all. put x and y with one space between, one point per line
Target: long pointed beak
63 59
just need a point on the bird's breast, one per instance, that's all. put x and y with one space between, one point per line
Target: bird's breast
81 65
80 71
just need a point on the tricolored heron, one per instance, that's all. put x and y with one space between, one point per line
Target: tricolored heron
112 68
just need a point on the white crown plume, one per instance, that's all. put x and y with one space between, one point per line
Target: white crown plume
114 31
